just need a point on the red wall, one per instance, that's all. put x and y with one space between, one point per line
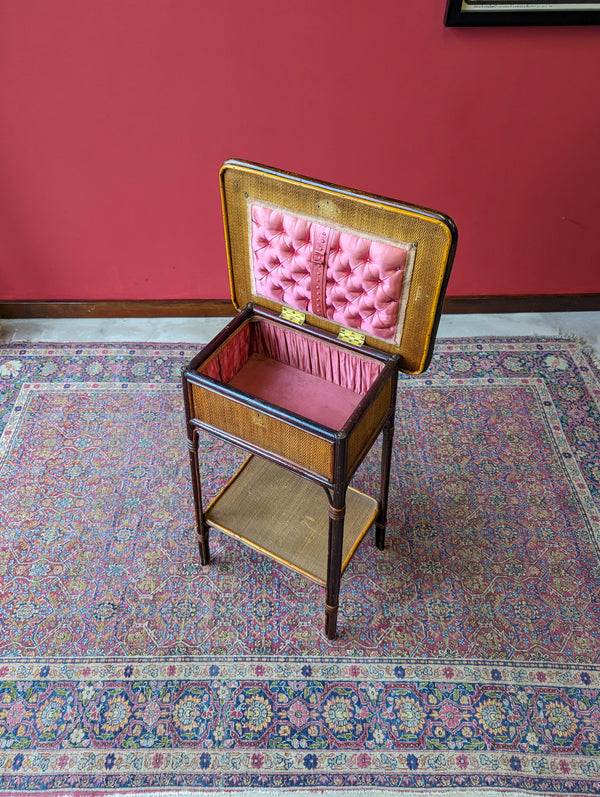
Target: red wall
115 116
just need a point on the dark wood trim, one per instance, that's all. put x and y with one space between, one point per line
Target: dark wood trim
222 308
524 303
119 309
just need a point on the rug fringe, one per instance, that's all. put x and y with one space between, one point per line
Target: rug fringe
587 347
266 792
307 792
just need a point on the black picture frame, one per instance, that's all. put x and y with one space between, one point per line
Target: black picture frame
486 13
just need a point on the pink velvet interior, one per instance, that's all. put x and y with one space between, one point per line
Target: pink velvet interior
297 372
362 279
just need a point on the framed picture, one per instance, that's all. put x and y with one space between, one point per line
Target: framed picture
461 13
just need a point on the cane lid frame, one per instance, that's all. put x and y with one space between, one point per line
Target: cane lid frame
433 237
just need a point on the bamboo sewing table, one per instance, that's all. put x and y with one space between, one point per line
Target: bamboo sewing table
306 401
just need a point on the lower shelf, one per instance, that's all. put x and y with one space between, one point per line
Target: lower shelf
286 517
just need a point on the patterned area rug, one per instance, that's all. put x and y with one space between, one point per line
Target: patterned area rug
469 650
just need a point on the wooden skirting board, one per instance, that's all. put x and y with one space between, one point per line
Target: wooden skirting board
534 303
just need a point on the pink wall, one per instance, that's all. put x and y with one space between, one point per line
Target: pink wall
115 116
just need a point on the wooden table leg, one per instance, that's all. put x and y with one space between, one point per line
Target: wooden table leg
201 527
337 511
386 459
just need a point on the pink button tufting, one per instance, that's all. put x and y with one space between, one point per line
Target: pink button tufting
352 280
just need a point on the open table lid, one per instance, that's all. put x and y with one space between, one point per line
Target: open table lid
374 268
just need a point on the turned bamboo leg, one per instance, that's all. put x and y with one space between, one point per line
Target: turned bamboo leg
201 526
337 510
386 459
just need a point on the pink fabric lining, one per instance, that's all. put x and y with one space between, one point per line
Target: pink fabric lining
294 371
307 395
228 361
362 281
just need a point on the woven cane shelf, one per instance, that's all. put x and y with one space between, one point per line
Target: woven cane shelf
286 517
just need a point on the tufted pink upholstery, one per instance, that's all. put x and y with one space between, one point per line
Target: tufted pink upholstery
361 279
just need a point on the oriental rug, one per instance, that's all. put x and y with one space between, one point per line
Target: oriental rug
469 650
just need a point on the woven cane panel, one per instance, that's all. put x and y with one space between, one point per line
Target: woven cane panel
361 438
269 434
365 216
287 517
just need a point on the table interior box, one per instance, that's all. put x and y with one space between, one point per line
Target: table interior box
337 291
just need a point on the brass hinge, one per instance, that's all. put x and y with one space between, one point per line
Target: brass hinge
292 315
351 336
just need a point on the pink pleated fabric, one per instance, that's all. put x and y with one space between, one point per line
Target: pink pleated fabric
317 358
295 371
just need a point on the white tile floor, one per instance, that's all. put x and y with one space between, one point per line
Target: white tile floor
584 325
